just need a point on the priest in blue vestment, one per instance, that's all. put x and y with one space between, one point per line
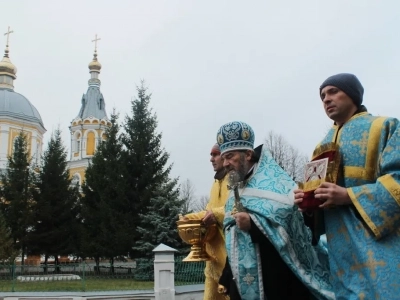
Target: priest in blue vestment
360 212
269 249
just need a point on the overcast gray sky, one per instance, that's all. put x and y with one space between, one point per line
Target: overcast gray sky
206 63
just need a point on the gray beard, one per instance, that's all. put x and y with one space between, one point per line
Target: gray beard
236 176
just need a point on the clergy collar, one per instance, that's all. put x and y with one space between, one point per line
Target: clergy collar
249 173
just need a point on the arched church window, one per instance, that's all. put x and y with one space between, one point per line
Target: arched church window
90 143
77 143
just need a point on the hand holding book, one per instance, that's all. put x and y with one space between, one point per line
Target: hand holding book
323 167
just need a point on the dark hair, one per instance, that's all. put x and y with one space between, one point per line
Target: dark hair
255 155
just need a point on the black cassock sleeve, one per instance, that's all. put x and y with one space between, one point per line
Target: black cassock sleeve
227 281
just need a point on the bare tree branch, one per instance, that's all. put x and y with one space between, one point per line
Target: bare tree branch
187 194
287 156
201 203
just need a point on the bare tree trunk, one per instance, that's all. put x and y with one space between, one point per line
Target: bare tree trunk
97 267
57 268
23 260
45 268
112 265
187 194
201 203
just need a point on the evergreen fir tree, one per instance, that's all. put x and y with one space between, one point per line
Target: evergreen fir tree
159 224
107 230
7 251
16 193
56 205
145 161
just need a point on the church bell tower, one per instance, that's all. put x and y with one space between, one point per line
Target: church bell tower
89 126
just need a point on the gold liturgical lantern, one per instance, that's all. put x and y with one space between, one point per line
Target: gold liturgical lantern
195 233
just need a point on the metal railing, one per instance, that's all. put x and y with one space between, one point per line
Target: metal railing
87 276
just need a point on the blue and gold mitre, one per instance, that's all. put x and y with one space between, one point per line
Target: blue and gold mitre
235 136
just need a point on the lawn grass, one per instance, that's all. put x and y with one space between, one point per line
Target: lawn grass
89 284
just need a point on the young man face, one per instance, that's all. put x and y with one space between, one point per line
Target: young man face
337 104
216 161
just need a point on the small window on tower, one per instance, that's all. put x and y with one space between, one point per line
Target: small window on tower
78 146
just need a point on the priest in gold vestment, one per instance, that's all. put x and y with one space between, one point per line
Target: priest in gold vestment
214 214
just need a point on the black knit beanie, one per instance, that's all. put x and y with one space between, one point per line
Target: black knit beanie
349 84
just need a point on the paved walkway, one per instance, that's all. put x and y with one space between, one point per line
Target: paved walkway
136 294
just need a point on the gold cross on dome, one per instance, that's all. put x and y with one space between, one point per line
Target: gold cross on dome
8 34
95 42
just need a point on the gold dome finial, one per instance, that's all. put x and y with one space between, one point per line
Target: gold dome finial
94 65
6 67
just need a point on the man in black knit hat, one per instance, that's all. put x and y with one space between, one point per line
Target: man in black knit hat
361 211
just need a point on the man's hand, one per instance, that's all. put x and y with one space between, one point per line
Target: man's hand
242 221
183 218
209 219
331 194
298 197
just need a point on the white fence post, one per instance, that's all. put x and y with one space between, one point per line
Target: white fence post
164 272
